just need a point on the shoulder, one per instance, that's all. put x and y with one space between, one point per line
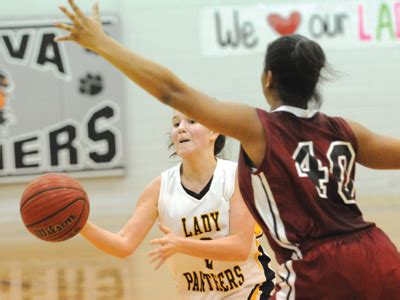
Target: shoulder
169 172
150 194
153 186
228 171
263 114
360 132
228 164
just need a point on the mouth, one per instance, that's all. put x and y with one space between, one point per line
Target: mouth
183 141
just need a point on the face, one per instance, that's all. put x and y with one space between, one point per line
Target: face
264 84
267 87
190 137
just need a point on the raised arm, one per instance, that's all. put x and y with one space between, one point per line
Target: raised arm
375 150
235 247
236 120
125 242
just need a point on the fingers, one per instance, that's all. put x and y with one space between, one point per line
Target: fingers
164 229
66 27
77 10
95 10
64 38
63 26
157 241
160 263
157 257
153 252
161 255
70 15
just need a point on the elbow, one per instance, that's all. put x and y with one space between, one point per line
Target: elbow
245 249
172 90
241 254
123 253
241 248
122 256
238 258
124 249
170 95
167 98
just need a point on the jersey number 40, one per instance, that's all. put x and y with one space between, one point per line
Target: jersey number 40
341 157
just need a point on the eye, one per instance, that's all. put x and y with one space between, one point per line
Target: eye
192 122
175 124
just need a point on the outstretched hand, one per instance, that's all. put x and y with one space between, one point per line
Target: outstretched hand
169 244
84 30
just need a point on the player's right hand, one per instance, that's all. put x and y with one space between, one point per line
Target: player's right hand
84 30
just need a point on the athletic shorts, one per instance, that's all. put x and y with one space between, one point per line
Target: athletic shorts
359 266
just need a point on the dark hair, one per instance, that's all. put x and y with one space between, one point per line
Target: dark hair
295 62
218 146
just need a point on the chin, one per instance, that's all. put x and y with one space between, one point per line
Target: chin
185 153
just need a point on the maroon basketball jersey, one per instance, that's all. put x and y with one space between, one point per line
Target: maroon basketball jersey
303 191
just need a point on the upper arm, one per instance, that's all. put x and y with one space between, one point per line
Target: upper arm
237 120
241 221
144 216
375 150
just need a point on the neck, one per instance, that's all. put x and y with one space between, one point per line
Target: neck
274 101
197 171
275 106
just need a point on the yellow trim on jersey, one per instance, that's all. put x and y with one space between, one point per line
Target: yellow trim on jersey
255 293
258 233
257 254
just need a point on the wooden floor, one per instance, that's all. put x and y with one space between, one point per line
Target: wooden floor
74 270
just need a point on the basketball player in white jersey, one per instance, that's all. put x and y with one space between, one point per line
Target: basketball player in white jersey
199 203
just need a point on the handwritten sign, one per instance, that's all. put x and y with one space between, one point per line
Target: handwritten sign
238 30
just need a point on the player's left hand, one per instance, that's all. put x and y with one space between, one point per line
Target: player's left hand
169 244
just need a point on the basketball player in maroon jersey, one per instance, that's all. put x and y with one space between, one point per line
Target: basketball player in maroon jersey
296 167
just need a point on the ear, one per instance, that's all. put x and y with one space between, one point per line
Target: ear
213 136
269 81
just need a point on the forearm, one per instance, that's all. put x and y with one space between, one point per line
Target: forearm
154 78
230 248
106 241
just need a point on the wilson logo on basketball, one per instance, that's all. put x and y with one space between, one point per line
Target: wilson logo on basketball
54 229
54 207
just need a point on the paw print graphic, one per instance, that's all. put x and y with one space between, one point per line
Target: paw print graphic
91 84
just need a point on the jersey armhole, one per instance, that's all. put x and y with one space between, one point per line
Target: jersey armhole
229 180
161 197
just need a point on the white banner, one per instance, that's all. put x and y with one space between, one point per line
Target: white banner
231 30
61 106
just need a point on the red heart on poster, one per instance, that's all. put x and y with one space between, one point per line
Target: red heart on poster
285 26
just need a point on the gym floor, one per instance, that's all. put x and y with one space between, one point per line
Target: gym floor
74 270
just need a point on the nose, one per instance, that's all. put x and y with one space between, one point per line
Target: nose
182 126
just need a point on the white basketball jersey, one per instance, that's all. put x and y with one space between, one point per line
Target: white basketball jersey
207 218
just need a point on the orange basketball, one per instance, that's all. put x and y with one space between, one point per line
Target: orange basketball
54 207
